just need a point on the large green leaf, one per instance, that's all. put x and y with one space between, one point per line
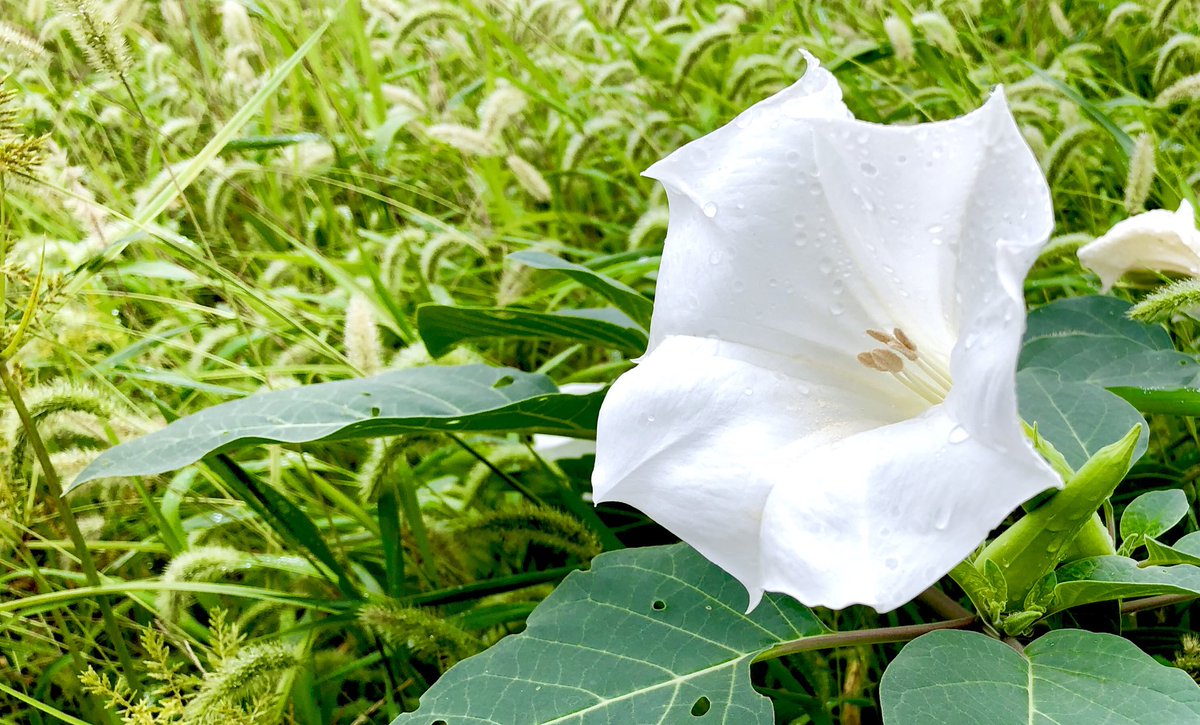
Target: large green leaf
623 297
1078 418
466 398
1089 339
643 637
444 326
1104 578
1065 677
1096 353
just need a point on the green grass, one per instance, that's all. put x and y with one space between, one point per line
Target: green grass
205 230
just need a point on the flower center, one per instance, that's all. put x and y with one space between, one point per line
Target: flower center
900 358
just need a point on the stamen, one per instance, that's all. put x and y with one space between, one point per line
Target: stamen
903 339
925 380
887 361
922 388
906 352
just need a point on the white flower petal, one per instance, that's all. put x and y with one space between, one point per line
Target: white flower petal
1157 240
879 516
679 433
796 228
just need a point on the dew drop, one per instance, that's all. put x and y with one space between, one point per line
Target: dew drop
793 158
837 308
891 562
826 266
710 209
749 391
739 286
714 258
936 241
957 434
650 418
936 229
869 169
941 518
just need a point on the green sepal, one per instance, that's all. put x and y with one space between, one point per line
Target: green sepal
1033 546
998 590
1042 593
1056 460
1018 623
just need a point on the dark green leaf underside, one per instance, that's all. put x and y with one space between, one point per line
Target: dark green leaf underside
465 398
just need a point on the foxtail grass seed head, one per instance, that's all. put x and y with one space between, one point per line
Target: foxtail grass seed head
253 673
1163 12
1165 303
530 179
363 349
469 141
498 110
700 44
400 96
425 634
198 564
236 25
1061 23
651 225
1141 174
96 33
1183 90
900 36
20 45
937 30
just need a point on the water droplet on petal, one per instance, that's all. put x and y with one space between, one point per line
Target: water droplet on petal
837 308
936 229
891 562
941 517
650 419
869 169
710 209
957 434
714 258
749 391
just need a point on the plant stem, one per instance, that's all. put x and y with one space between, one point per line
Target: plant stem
864 636
68 518
1140 605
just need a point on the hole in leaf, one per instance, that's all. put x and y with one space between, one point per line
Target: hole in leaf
504 382
439 722
375 412
658 605
700 707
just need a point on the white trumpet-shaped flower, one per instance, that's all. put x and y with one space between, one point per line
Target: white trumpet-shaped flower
1158 240
828 405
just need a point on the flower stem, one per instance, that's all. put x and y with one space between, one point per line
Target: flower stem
68 518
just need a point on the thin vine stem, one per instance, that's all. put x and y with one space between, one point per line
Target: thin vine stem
908 632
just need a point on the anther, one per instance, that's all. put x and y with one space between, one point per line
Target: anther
903 350
886 360
880 336
903 340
